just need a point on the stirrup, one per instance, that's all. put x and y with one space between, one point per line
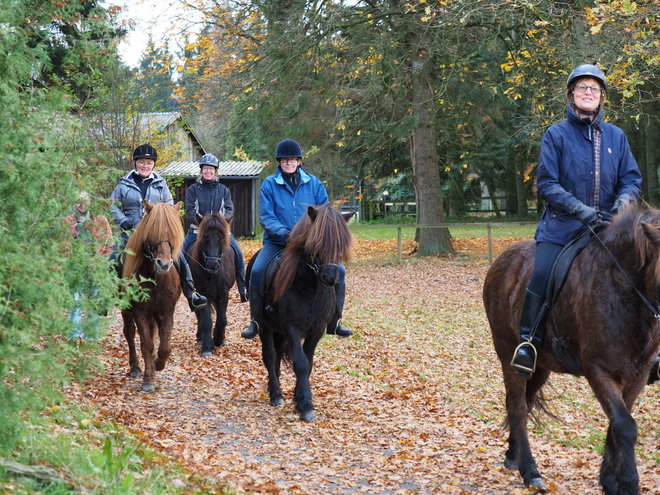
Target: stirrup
197 300
526 371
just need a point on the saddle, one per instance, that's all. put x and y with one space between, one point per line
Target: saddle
266 282
557 280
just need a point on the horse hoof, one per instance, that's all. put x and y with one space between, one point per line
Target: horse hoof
207 353
510 463
277 401
536 484
136 373
148 387
307 416
222 344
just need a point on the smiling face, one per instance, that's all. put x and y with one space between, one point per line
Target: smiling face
144 166
587 95
289 164
208 172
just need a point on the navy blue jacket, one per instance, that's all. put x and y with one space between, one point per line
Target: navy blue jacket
207 197
566 174
280 208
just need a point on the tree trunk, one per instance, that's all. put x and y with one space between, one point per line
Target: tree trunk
424 157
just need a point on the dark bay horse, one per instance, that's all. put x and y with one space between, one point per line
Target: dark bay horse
301 300
150 254
607 317
214 272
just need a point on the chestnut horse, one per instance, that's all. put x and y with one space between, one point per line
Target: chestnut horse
301 300
212 267
150 254
606 316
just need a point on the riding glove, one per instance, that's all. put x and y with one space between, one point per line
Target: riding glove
585 214
126 225
621 201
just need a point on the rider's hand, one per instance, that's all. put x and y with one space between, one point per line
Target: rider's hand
126 225
585 214
621 202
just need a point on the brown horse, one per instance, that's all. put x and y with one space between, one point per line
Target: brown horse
213 270
604 318
150 254
301 300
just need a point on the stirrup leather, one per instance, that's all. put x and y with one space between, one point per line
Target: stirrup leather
517 366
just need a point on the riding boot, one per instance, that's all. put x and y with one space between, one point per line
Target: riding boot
335 327
255 314
532 329
241 285
195 299
654 376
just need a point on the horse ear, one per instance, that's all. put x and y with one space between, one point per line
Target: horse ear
348 216
312 212
147 206
178 205
652 232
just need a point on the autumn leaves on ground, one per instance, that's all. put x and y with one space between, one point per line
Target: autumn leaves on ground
412 403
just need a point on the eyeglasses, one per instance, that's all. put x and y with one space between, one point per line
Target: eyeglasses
289 160
583 88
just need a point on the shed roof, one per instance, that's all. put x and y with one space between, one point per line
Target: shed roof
225 169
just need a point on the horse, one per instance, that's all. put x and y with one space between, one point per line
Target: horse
214 273
300 301
150 254
603 318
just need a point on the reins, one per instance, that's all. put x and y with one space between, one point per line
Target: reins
656 313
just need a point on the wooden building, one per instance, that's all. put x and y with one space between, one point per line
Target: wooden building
242 179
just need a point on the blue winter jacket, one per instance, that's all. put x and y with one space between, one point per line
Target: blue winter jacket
280 208
128 208
566 174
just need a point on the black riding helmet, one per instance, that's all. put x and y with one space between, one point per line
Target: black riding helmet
209 159
288 149
145 151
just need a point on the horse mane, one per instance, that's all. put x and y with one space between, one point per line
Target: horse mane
211 222
161 222
635 232
324 238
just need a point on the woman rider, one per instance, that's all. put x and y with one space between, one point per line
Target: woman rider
284 198
207 195
128 209
585 167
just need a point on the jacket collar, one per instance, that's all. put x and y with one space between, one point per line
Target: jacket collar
304 176
574 118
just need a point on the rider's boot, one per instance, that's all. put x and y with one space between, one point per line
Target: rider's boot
241 285
335 327
195 299
255 314
531 335
654 376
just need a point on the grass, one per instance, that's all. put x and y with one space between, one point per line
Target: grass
85 453
381 232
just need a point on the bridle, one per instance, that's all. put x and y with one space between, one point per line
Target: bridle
150 250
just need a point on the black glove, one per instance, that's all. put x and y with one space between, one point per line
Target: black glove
621 202
126 224
585 214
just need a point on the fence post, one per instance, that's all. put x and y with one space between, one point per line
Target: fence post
398 244
490 243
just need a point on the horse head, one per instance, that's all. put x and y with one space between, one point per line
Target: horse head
213 240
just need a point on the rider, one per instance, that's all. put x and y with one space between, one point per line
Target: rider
284 198
585 167
128 209
207 196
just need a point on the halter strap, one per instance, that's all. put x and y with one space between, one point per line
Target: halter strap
656 313
150 249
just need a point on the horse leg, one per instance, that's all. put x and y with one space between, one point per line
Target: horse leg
271 361
519 453
204 323
165 337
220 322
147 348
129 334
302 368
618 472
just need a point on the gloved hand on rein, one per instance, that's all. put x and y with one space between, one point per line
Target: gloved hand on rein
621 202
585 214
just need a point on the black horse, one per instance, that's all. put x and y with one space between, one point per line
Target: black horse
213 270
300 301
605 318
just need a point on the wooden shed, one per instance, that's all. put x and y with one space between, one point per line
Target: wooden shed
242 179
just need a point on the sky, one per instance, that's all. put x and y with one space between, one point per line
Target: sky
155 17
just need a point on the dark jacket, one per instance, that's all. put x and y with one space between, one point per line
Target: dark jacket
207 197
567 174
280 208
128 208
